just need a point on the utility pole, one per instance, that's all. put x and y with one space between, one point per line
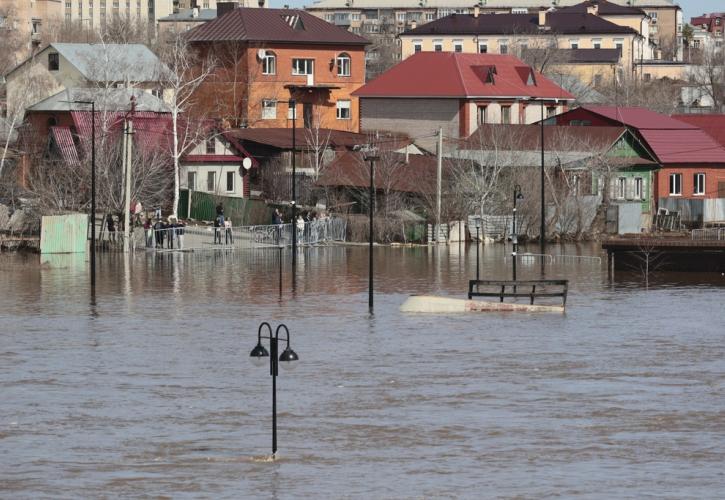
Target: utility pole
128 162
439 180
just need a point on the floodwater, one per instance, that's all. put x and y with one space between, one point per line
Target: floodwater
149 391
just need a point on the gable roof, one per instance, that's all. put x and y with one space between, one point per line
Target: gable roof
272 25
671 140
106 100
112 62
605 8
507 24
456 75
281 138
490 4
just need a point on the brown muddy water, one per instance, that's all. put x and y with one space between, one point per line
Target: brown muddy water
150 392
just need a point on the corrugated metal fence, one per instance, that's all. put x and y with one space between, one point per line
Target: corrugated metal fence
241 211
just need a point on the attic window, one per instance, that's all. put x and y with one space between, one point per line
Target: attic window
293 21
532 79
485 73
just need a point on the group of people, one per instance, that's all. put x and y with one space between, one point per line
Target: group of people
221 224
170 231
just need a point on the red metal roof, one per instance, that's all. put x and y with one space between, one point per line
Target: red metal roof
457 75
713 125
212 159
63 138
683 146
281 138
273 25
639 118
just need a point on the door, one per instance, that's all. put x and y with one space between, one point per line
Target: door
307 114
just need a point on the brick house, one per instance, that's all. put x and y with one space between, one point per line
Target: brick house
457 92
265 57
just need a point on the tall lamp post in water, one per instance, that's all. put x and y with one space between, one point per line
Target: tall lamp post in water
478 242
514 234
293 106
542 229
371 156
287 358
93 189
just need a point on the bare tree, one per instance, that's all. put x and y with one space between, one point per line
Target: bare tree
184 72
709 74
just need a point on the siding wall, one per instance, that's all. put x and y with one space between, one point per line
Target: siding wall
414 117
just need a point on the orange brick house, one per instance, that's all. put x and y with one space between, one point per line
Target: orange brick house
266 57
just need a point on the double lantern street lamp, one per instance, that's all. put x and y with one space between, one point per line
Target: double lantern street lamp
287 358
514 235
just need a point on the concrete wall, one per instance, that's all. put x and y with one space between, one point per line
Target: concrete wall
414 117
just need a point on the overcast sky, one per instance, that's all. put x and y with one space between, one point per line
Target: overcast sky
690 7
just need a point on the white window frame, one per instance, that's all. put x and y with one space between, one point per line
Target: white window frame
417 46
355 16
574 43
234 181
341 106
596 43
457 45
269 109
506 107
639 188
211 181
191 180
269 63
483 45
621 186
344 64
437 44
503 46
698 188
303 66
675 184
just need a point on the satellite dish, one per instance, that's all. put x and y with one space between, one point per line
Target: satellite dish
247 163
261 53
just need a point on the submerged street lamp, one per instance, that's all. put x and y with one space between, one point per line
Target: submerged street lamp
478 242
514 235
287 358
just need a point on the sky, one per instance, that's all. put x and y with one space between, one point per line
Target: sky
689 7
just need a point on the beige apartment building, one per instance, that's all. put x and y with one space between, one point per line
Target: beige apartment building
94 13
384 20
24 22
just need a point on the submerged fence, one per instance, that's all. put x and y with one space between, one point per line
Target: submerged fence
316 232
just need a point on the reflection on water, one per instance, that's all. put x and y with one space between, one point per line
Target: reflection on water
150 392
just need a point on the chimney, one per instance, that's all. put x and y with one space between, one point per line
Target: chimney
542 17
593 8
224 7
407 154
413 25
195 12
476 11
261 3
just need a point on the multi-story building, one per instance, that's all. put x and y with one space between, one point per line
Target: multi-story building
267 57
92 14
523 34
23 24
382 23
708 31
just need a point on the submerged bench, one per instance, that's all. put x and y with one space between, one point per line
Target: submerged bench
519 289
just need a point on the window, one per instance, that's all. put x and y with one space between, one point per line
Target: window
430 16
647 77
619 43
443 13
343 110
574 44
400 16
481 115
675 184
505 114
621 192
291 112
653 15
355 16
269 109
191 181
503 46
597 43
438 45
329 17
302 66
550 111
53 62
597 81
519 10
211 146
230 181
343 65
638 188
458 45
211 181
699 183
482 48
417 45
269 63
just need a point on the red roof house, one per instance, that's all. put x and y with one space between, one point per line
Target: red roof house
457 92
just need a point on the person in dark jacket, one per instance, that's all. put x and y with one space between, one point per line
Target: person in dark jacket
159 234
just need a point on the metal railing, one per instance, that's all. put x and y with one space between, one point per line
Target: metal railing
715 233
515 289
314 232
530 258
576 259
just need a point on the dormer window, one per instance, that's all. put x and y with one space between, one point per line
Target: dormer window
53 62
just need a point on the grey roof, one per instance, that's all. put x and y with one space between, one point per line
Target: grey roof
461 4
111 99
112 62
584 93
186 15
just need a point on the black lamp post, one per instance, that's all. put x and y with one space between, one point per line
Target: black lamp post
514 234
93 189
371 156
287 357
478 242
293 106
542 229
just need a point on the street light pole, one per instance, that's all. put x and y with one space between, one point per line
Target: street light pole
371 207
478 242
514 235
288 356
542 229
293 106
